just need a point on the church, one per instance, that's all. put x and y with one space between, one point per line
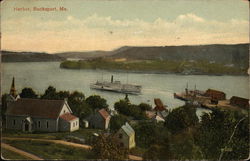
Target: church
38 114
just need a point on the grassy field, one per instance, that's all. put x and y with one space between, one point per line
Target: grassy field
7 154
48 150
85 134
161 66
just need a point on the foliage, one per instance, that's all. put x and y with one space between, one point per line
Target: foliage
145 107
106 147
196 67
125 108
215 131
28 93
181 118
50 93
183 146
148 133
157 152
76 101
117 121
4 105
96 102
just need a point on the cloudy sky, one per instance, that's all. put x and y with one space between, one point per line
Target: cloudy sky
109 24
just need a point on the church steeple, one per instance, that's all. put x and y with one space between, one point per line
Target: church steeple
13 89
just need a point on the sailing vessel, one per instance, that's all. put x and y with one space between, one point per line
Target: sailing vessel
117 86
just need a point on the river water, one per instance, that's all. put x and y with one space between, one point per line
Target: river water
40 75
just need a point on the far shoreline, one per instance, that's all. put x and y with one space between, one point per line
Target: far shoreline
129 71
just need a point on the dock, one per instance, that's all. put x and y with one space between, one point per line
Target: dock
202 100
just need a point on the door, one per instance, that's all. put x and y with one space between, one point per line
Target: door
26 127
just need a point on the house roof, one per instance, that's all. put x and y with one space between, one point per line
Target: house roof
159 105
214 91
158 102
159 118
68 117
36 108
128 129
159 108
236 98
104 113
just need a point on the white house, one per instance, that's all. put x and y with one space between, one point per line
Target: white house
40 115
126 136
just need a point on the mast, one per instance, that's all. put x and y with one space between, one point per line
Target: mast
186 89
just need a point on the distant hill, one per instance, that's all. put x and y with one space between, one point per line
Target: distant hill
226 54
83 55
9 56
236 55
91 54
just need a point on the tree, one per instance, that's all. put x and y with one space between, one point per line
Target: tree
148 133
215 131
28 93
122 107
4 105
96 102
157 152
125 108
117 121
50 93
62 95
106 147
181 118
77 96
145 107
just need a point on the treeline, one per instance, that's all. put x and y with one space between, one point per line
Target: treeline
80 106
160 66
218 135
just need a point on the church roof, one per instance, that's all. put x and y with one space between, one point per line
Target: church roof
36 108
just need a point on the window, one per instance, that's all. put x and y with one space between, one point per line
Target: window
39 124
76 123
73 124
14 122
64 111
120 136
47 124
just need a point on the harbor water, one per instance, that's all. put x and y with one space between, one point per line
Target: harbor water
40 75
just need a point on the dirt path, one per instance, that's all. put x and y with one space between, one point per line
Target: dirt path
52 141
132 157
21 152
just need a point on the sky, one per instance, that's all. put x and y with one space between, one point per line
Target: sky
88 25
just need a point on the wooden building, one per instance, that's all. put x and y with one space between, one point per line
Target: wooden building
159 105
239 101
126 136
100 119
40 115
215 95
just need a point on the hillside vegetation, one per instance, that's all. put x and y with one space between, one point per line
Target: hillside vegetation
156 66
222 54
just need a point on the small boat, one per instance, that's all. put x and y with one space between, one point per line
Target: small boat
117 86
